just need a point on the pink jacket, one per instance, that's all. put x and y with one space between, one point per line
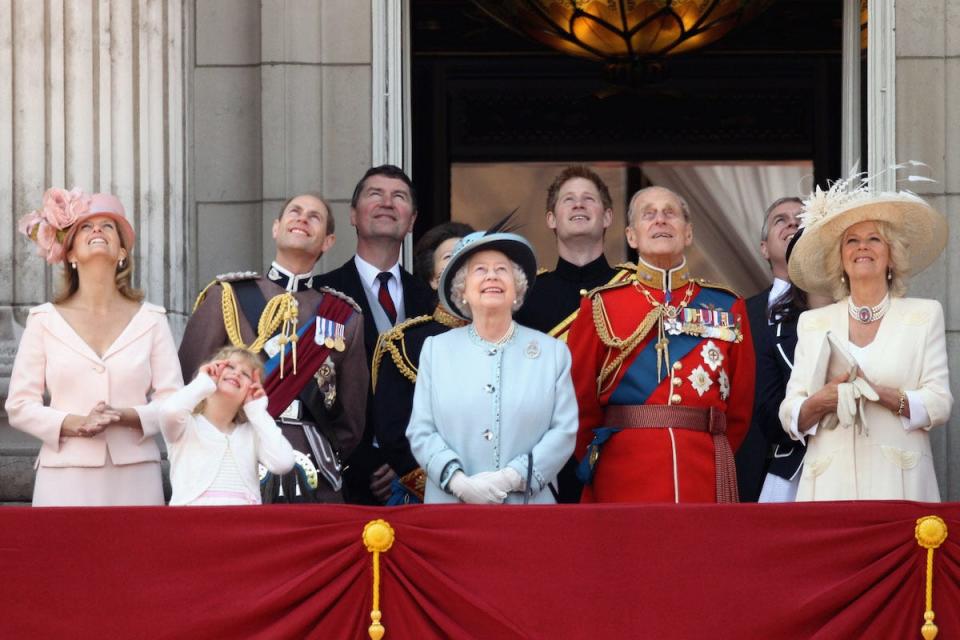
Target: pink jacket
53 358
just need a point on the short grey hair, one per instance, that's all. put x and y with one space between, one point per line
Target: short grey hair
459 284
899 264
683 203
765 228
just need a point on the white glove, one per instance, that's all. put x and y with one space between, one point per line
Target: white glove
473 491
506 479
851 402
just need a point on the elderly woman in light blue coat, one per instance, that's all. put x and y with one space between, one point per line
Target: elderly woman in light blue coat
494 411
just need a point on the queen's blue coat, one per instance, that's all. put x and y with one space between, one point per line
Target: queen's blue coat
489 406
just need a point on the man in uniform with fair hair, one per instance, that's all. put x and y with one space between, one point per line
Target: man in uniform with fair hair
663 367
311 340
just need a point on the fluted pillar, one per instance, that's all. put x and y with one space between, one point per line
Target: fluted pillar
91 95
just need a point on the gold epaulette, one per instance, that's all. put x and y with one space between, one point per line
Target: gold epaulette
392 342
342 296
629 266
622 278
233 276
542 270
716 285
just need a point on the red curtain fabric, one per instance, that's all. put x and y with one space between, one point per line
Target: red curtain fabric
828 570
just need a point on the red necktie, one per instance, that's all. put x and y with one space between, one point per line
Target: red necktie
384 296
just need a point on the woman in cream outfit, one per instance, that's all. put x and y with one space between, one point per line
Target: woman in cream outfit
859 247
99 353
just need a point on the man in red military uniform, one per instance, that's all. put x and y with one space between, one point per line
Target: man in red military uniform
663 368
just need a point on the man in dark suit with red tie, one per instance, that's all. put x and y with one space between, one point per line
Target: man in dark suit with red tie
383 209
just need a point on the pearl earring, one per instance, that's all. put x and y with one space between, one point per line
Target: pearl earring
121 263
843 278
73 265
889 274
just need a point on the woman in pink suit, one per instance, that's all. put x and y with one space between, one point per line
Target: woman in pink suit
100 353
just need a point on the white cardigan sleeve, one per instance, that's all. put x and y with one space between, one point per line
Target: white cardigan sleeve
273 449
173 412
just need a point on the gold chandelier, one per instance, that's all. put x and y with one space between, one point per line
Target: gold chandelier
623 31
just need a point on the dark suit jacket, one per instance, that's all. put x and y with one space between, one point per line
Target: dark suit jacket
417 300
751 457
773 372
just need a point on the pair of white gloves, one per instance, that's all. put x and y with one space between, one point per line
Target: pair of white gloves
487 487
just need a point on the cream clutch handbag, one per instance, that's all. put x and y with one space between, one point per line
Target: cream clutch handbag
833 360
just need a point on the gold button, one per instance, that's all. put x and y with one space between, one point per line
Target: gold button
677 366
677 382
675 398
583 292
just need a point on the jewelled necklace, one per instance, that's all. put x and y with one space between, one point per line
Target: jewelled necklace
865 314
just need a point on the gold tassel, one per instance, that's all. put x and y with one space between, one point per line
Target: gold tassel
378 537
931 531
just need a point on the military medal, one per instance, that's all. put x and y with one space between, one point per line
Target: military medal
330 334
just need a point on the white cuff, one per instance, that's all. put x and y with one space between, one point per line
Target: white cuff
919 418
795 425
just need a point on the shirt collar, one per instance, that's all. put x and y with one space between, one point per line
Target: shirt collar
777 289
292 282
658 278
369 273
587 273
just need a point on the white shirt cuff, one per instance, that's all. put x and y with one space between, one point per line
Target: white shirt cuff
919 418
795 426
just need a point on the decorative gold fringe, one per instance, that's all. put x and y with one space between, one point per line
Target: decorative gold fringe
931 531
378 537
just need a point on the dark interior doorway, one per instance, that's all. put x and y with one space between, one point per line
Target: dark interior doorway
770 91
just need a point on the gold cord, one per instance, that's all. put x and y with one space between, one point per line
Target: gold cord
280 310
378 537
931 532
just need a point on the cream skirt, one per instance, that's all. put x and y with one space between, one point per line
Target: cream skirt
138 484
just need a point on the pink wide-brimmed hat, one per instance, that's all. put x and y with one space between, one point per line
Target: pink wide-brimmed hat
53 225
106 204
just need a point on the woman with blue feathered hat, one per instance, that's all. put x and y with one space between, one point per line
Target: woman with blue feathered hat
494 411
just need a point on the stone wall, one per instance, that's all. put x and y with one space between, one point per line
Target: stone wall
928 129
281 104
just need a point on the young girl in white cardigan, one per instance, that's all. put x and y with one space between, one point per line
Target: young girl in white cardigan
217 429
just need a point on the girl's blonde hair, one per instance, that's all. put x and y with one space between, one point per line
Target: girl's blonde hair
225 353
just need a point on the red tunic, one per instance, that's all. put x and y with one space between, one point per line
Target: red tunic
661 464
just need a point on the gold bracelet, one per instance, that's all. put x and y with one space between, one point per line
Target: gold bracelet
903 401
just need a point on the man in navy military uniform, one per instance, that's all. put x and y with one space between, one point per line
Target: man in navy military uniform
579 210
383 210
780 222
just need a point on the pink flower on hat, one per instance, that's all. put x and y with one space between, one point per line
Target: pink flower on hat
61 208
49 244
27 225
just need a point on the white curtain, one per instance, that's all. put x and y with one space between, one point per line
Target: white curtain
727 201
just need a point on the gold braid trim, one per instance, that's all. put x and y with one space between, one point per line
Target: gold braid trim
279 309
387 343
202 295
626 345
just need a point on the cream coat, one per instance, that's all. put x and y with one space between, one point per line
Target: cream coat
141 363
886 461
196 447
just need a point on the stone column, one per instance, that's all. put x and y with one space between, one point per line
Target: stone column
281 105
927 129
92 96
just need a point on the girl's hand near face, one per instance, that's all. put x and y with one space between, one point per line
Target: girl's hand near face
214 369
254 392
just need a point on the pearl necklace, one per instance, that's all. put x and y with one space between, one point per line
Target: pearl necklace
865 314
